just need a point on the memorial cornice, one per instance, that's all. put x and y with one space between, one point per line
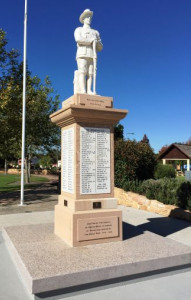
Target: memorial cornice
80 114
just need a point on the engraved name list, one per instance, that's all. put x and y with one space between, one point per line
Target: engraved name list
94 160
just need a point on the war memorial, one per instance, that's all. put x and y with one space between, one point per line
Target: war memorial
86 244
87 210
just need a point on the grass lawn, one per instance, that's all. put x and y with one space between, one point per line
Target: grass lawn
11 182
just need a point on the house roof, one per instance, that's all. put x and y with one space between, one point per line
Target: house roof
182 148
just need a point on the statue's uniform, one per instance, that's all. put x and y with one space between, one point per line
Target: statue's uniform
84 56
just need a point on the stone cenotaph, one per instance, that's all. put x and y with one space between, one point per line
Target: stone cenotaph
87 212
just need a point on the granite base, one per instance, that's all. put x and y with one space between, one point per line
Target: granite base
46 263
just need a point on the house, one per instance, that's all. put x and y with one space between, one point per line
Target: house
180 152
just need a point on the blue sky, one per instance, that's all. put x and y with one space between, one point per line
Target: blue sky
145 64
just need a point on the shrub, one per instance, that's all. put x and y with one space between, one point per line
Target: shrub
184 195
133 186
163 171
166 190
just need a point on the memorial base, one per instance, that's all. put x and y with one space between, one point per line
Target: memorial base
50 269
87 227
87 210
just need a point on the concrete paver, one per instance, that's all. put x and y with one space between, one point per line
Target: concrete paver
170 286
11 286
26 218
140 221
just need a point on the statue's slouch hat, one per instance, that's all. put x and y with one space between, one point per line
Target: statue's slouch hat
86 12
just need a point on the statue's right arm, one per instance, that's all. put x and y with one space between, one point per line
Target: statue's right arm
81 40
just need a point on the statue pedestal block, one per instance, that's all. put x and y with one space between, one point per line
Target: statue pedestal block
87 210
88 227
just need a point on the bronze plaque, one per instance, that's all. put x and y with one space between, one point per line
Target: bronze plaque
97 228
96 205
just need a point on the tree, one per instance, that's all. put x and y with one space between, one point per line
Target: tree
146 161
188 142
41 134
163 149
133 161
10 71
46 161
118 131
145 139
55 153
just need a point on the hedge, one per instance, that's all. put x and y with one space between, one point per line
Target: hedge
163 171
166 190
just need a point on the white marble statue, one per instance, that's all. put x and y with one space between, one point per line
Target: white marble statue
88 44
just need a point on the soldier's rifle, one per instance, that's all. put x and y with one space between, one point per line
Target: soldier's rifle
95 65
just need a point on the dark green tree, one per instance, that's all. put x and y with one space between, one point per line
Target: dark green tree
46 161
118 132
10 71
41 134
133 161
145 139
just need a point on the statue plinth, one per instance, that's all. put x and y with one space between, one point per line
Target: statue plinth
87 210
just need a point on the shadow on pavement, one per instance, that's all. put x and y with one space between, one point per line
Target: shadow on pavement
40 193
130 231
163 226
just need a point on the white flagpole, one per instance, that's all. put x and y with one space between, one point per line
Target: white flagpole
24 105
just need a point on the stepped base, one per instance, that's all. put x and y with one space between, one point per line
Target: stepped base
46 263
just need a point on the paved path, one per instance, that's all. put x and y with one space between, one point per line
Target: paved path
170 286
41 198
26 219
138 222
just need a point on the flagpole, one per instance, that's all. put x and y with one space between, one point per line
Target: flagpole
24 106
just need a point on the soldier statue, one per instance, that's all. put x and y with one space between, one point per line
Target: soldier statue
88 44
